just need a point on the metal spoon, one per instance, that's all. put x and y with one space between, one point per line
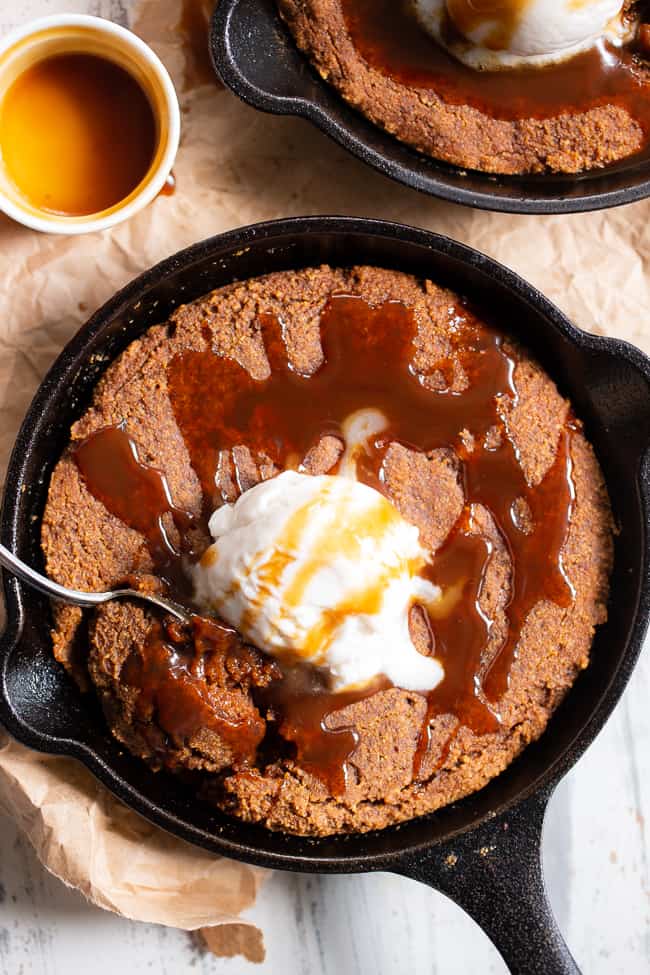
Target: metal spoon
77 598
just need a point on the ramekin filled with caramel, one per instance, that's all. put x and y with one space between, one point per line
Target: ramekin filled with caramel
89 124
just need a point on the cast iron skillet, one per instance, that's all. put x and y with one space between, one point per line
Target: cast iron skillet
484 852
256 57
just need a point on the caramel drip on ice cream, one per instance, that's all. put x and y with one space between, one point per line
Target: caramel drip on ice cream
502 16
340 534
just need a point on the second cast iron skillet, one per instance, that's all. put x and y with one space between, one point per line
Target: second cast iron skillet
257 58
484 852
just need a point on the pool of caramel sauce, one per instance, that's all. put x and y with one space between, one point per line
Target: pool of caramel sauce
368 363
387 35
77 134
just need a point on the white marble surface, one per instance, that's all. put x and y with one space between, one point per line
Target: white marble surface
596 853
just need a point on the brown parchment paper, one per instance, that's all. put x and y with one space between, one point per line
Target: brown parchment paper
113 856
237 166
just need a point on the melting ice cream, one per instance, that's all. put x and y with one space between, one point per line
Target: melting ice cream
321 569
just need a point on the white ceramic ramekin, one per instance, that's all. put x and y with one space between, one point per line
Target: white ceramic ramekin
77 33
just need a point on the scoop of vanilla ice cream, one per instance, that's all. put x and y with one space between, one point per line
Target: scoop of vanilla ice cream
324 570
492 34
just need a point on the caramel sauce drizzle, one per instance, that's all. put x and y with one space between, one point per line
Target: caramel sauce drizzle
137 494
169 186
388 36
337 536
170 673
304 708
368 363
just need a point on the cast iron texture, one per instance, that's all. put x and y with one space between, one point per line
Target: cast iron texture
483 851
255 56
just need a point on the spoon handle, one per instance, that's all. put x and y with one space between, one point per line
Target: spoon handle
48 586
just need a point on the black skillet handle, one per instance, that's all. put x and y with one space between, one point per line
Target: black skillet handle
495 874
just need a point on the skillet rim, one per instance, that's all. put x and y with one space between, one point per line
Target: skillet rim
296 228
